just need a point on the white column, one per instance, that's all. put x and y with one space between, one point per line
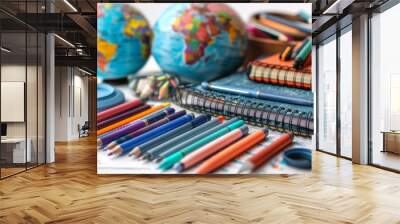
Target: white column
50 99
360 90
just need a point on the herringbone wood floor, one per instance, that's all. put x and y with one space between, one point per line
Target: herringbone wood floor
69 191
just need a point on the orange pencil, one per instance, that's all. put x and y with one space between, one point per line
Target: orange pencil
132 118
267 152
231 152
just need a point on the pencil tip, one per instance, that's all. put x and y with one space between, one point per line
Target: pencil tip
159 159
145 157
245 168
179 167
114 150
136 152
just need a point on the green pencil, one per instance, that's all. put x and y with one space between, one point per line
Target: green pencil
169 161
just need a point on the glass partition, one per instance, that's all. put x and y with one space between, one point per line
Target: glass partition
22 78
327 96
346 93
385 90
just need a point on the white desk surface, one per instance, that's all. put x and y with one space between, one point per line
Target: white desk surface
127 165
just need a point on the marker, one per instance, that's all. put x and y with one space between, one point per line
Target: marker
101 116
145 129
297 49
231 152
302 55
211 148
132 118
133 126
153 153
169 161
267 153
194 139
122 116
286 54
130 144
139 150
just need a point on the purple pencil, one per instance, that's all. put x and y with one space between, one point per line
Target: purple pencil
145 129
135 125
122 116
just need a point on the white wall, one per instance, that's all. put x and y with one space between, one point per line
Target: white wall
71 94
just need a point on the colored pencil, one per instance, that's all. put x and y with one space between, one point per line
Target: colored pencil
298 47
231 152
294 24
132 118
211 148
122 116
267 152
145 129
155 152
169 161
139 150
127 146
118 109
302 55
133 126
272 32
194 139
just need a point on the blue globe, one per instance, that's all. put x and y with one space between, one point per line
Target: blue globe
123 40
199 41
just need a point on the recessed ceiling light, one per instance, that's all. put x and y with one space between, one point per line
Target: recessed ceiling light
64 40
70 5
5 50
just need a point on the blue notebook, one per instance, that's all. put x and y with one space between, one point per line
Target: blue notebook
239 84
273 114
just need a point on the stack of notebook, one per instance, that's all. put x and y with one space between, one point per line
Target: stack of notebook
273 70
277 107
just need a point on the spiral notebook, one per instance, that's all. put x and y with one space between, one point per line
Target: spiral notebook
272 70
275 115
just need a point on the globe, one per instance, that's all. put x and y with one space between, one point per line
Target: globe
199 41
123 40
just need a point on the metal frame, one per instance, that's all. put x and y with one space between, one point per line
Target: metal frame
339 32
387 5
44 73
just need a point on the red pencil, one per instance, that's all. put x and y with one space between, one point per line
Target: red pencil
265 154
118 109
231 152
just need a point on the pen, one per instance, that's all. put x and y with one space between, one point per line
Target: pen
257 94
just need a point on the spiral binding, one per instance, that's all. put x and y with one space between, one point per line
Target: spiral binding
255 113
279 75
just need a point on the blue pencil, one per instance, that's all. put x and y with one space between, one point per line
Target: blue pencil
127 146
199 120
